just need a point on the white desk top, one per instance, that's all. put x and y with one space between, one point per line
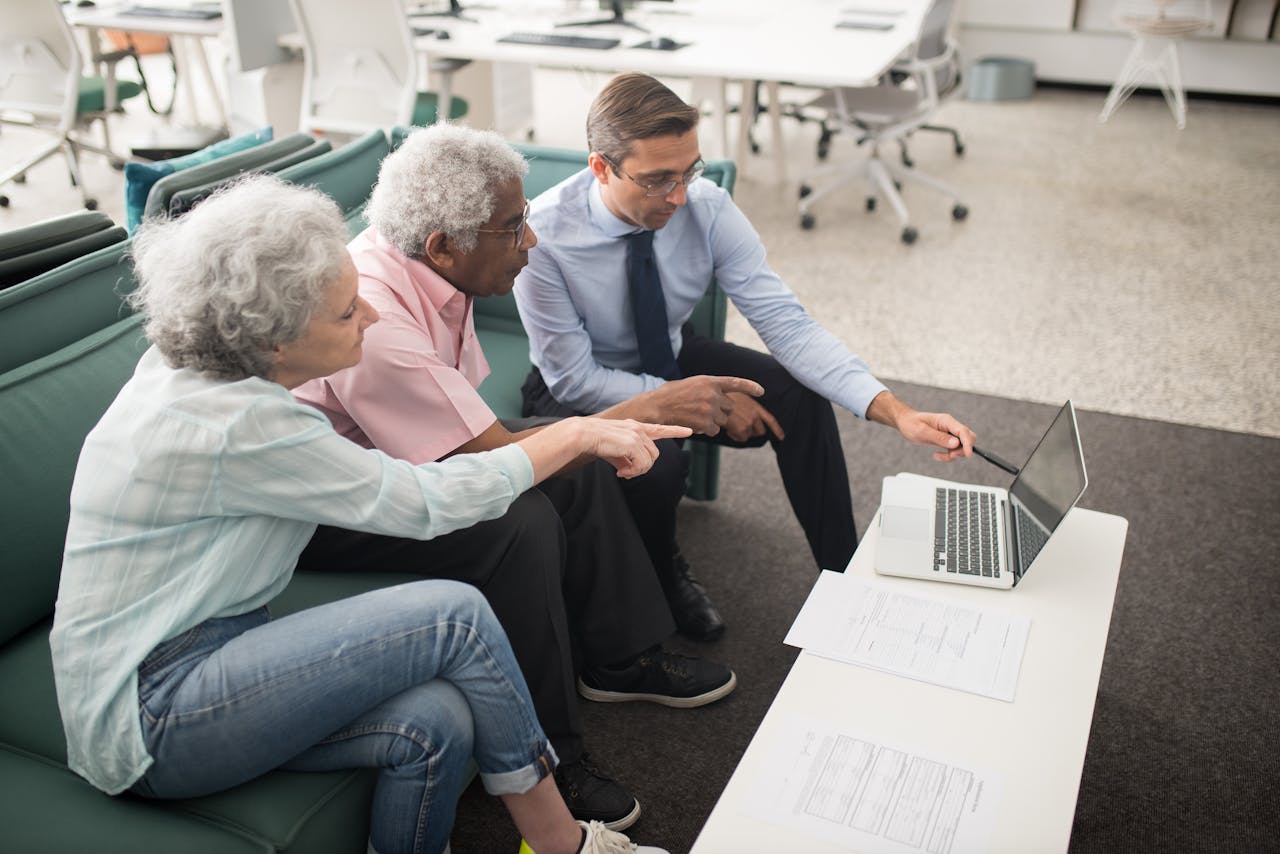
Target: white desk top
797 43
107 16
1037 742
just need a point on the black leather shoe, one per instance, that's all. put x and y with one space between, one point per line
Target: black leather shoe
593 795
691 607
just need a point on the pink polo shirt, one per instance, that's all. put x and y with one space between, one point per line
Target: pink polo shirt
413 394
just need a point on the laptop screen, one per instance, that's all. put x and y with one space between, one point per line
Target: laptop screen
1053 477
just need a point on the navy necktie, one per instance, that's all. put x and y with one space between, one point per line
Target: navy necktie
653 336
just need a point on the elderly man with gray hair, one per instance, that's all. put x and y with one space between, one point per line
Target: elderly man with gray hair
565 569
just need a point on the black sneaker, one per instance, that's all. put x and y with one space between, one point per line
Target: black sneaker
668 678
593 795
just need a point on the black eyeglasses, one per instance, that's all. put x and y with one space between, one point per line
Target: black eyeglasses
517 229
666 187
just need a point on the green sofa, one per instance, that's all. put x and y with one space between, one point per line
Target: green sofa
67 344
47 406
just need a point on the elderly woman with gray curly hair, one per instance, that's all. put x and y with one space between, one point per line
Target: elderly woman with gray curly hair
194 495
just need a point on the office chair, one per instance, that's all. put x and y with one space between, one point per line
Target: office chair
134 46
888 113
948 80
360 70
1156 27
41 86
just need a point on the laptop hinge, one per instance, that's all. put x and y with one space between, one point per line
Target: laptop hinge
1011 541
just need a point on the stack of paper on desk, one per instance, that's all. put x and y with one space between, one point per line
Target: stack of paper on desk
930 639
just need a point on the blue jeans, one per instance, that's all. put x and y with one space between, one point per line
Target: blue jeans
414 680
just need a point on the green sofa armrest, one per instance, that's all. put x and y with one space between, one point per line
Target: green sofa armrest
228 166
34 249
184 200
63 305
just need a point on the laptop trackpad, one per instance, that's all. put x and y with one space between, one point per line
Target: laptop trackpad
906 523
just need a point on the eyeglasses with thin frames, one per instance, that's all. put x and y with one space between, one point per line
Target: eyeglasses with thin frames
666 187
517 229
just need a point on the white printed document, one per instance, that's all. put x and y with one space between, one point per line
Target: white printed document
934 640
872 797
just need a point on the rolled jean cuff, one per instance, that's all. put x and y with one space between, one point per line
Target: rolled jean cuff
521 780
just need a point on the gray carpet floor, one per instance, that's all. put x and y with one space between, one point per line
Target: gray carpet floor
1184 748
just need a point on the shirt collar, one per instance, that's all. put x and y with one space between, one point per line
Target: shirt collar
430 285
602 217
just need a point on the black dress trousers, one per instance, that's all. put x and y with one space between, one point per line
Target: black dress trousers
563 570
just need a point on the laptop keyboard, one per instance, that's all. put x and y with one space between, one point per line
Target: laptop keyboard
965 532
562 40
1031 537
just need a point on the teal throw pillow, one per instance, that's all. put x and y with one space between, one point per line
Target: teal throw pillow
139 177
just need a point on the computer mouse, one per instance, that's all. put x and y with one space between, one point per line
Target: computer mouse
85 3
443 34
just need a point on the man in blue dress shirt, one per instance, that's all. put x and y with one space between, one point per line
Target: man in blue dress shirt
637 220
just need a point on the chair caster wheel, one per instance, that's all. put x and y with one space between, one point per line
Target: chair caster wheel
959 212
4 201
805 190
871 204
909 235
959 149
20 179
91 204
807 222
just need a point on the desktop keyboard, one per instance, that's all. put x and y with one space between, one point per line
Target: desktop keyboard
561 40
189 12
965 532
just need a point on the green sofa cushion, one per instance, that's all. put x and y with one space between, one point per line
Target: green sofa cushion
139 178
347 174
53 231
63 305
508 354
221 169
22 268
47 407
49 810
26 671
183 201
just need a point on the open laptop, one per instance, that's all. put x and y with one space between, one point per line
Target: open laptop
981 535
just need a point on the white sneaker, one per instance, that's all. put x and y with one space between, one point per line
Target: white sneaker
602 840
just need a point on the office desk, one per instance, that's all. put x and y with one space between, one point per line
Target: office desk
1037 743
796 43
188 35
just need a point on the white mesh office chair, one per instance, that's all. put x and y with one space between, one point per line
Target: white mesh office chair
888 113
1156 26
360 70
41 86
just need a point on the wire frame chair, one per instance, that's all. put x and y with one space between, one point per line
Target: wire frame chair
1156 26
